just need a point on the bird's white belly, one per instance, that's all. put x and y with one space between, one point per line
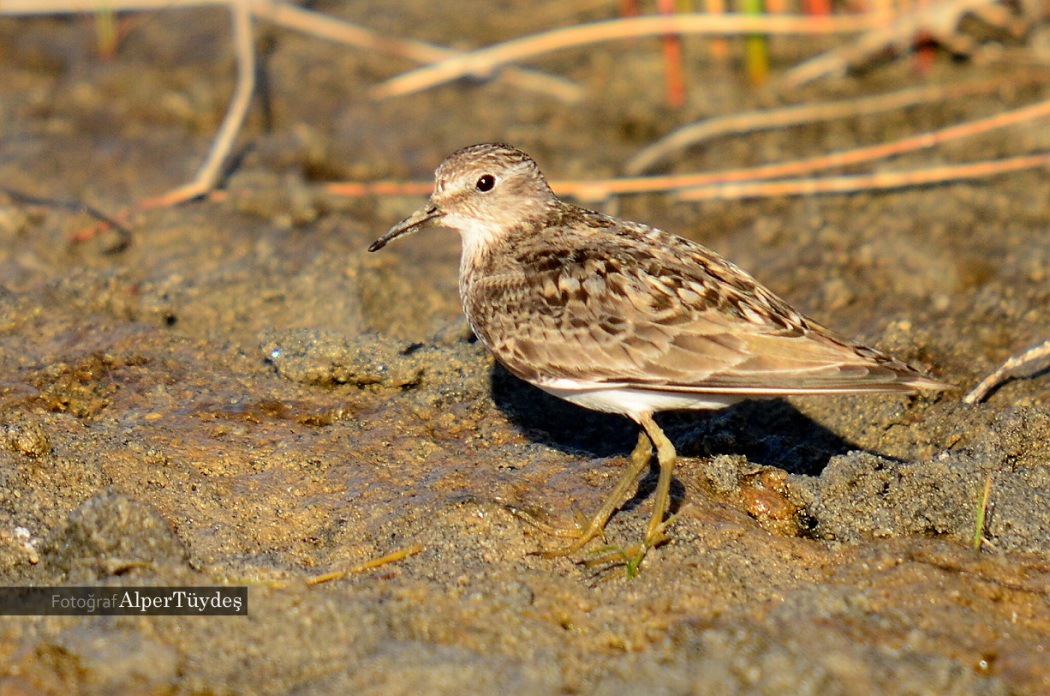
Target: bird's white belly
633 402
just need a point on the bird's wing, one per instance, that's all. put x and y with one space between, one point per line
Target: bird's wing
649 310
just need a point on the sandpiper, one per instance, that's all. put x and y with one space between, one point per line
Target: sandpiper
620 317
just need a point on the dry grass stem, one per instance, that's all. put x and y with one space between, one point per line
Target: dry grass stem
484 61
913 143
286 15
393 557
877 181
731 183
938 21
994 380
316 24
982 513
325 27
784 117
211 171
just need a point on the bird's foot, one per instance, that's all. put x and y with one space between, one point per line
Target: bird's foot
631 557
581 533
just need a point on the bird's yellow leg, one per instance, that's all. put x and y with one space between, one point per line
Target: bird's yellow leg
665 453
639 460
666 456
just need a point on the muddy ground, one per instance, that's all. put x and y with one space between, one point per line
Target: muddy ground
236 392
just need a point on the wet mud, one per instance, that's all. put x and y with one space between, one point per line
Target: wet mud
235 391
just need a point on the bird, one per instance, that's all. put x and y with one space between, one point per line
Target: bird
620 317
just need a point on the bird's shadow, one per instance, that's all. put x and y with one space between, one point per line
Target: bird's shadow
769 432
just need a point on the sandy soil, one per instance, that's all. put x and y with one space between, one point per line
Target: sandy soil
238 393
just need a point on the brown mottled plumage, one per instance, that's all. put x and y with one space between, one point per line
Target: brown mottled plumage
625 318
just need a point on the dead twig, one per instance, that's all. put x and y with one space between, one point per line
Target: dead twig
211 171
312 23
913 143
484 61
714 189
877 181
996 379
366 565
283 14
938 21
784 117
363 189
75 206
315 24
707 185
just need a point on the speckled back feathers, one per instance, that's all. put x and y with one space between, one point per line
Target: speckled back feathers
568 296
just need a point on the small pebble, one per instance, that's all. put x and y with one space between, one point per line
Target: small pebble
28 438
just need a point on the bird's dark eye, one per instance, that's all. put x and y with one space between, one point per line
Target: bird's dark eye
485 183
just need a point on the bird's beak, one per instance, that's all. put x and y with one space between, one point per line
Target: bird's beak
409 225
